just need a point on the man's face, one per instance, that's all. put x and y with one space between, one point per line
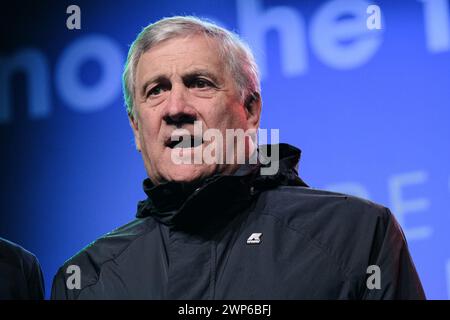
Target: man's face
180 81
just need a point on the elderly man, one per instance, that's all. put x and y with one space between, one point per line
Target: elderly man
223 229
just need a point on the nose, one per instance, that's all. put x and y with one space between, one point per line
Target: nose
178 110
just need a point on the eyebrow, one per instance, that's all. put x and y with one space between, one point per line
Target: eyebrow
187 76
201 72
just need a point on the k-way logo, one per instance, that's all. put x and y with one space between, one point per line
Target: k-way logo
255 238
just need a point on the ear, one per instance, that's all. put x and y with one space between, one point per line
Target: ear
252 106
134 125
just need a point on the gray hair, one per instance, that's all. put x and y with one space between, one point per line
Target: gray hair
238 57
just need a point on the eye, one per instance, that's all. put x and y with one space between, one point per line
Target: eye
201 83
155 91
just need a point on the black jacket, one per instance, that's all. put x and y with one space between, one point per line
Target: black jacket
20 273
195 242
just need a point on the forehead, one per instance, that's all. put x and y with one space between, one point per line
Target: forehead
179 55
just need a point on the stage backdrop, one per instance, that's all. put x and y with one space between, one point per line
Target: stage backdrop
368 104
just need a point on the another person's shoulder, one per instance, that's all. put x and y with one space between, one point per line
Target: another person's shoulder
17 257
14 253
107 248
22 270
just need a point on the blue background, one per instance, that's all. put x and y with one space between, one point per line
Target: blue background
369 109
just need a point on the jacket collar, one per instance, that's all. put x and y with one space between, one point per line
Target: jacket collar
216 199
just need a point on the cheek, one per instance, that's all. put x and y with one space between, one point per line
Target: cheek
224 114
233 117
149 131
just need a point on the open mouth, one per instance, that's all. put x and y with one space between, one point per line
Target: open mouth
188 141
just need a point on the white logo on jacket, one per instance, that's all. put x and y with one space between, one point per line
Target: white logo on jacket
255 238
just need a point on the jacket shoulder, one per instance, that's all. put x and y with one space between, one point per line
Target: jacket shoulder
346 228
307 204
92 257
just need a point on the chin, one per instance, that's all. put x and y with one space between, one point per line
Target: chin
189 173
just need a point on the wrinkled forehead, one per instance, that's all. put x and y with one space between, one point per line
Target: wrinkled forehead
181 54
